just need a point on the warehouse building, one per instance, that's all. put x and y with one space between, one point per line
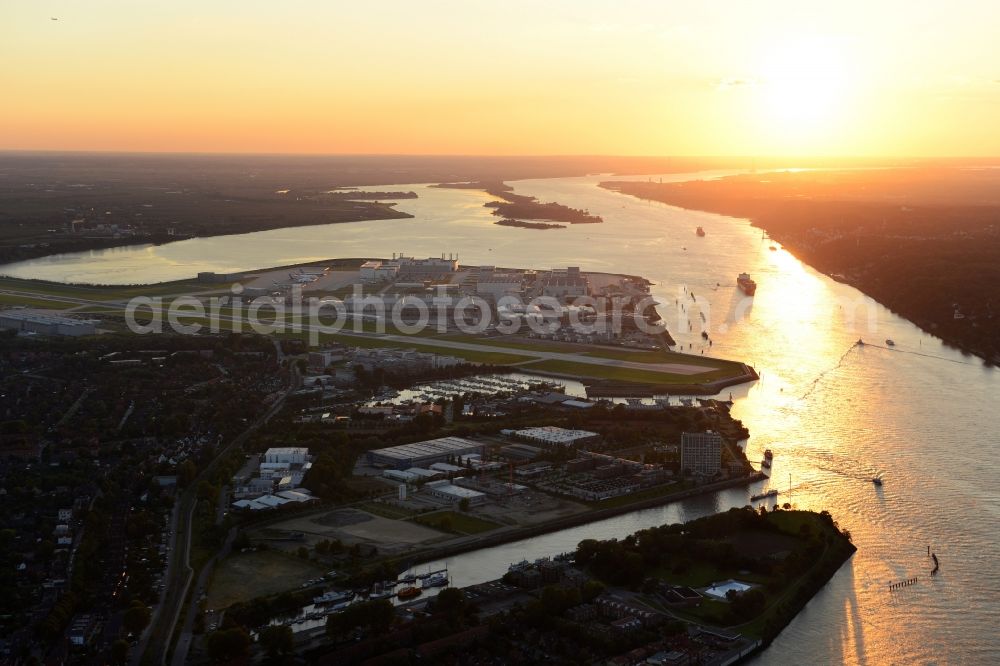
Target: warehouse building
28 323
422 454
551 436
448 491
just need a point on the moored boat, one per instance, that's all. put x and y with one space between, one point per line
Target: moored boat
332 598
439 579
770 493
409 592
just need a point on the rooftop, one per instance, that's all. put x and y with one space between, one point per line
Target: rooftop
431 447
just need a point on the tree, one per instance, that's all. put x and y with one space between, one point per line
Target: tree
450 601
136 617
277 640
186 472
119 651
227 644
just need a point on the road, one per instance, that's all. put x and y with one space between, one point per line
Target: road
180 577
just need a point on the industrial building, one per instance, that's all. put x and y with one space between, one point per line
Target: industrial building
494 285
28 323
551 436
420 454
701 452
521 452
287 454
448 491
378 271
564 284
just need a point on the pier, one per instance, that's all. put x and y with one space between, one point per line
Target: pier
903 583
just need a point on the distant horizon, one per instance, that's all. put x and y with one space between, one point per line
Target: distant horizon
637 156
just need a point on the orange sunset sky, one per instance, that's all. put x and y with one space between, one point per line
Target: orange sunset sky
889 77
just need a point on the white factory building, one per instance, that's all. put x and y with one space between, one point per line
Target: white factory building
287 454
448 491
551 436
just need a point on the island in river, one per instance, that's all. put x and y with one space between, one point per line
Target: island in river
507 222
521 206
922 241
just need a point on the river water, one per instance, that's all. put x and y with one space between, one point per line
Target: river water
835 414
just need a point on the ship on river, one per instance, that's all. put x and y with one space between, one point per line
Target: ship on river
746 285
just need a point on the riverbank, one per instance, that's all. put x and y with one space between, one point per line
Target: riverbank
931 260
593 515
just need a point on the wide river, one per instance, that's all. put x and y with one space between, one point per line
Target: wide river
921 415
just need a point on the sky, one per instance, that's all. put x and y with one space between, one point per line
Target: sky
663 77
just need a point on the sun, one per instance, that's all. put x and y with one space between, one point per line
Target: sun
803 87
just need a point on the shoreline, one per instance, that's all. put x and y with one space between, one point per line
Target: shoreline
789 244
479 542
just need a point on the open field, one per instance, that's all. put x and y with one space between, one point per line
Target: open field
353 526
35 303
243 576
454 521
624 374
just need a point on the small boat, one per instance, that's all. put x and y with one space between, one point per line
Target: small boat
768 457
704 335
770 493
381 591
860 342
409 592
877 480
890 342
700 231
773 249
436 580
332 598
409 579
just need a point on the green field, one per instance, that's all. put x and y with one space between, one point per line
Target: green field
37 303
243 576
632 355
725 369
456 522
105 293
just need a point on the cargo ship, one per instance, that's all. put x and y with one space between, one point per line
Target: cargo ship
748 286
